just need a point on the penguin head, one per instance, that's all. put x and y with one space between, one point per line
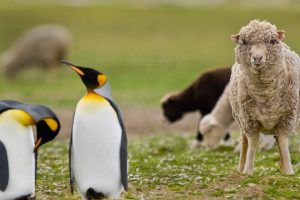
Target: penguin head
91 78
47 130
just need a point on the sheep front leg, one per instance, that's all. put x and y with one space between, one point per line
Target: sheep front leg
243 152
252 144
285 158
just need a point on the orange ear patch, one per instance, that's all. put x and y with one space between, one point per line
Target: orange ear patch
51 123
101 79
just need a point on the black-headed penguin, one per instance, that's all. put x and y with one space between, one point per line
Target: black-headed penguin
98 147
18 146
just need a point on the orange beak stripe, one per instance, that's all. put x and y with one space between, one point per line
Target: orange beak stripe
78 70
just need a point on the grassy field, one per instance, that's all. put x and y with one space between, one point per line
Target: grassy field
147 52
167 169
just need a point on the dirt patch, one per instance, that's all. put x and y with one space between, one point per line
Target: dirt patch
139 121
234 189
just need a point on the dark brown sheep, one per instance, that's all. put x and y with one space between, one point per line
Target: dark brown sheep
201 95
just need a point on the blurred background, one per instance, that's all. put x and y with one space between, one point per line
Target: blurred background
147 48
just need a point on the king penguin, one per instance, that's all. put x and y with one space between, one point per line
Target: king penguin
18 148
98 146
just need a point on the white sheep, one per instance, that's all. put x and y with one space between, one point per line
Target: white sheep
45 45
215 124
264 91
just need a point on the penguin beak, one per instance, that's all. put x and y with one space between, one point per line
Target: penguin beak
37 144
78 71
73 67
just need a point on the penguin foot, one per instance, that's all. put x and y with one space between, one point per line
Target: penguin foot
92 194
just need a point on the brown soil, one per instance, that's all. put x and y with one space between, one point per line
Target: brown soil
139 121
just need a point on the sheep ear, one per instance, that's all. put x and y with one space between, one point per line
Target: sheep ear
165 98
171 101
235 38
281 35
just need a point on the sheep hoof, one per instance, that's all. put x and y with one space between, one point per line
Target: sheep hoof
288 171
248 171
240 169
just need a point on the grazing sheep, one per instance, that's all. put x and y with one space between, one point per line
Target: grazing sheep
264 91
201 95
214 125
45 45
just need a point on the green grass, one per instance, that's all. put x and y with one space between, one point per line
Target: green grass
146 52
167 169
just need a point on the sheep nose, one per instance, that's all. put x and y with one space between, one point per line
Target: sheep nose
257 58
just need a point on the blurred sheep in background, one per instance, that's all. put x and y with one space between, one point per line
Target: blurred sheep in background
201 95
45 45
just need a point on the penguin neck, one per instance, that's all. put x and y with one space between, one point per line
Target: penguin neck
92 95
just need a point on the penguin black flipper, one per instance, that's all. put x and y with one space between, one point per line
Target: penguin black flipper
70 167
4 170
70 161
123 148
35 160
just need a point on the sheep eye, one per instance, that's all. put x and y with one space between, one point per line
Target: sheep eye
273 41
244 42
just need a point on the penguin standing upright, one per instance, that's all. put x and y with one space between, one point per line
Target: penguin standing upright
18 148
98 147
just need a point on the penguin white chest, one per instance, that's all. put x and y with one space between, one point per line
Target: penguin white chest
19 143
96 148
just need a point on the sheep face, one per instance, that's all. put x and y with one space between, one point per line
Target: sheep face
171 108
259 46
212 130
258 55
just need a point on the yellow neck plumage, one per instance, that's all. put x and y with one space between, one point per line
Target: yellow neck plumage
21 116
24 118
92 95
